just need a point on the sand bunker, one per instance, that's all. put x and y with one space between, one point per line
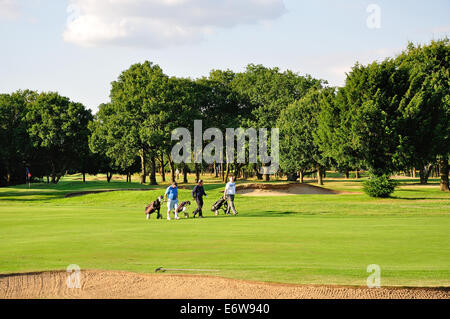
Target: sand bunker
282 190
117 284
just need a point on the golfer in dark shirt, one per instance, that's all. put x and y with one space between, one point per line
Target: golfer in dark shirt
197 194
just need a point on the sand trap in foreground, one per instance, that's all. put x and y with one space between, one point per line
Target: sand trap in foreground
283 190
117 284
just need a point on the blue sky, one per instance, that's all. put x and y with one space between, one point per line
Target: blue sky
78 47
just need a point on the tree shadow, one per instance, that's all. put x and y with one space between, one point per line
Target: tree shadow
420 198
285 214
5 195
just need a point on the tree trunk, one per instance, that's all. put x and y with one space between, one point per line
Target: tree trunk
237 171
143 172
424 174
84 177
357 174
153 171
292 177
197 172
53 175
266 176
163 171
347 174
185 173
216 172
443 169
320 176
109 176
172 169
302 177
255 170
163 167
8 174
58 177
228 172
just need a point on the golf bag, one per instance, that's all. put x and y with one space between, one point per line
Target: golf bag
154 206
220 204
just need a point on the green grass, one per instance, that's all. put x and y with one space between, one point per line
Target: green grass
318 239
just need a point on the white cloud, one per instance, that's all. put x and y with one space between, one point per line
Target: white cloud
8 9
160 23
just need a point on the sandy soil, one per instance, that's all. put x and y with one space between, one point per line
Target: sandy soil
116 284
283 190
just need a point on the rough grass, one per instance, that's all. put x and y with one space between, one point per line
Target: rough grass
318 239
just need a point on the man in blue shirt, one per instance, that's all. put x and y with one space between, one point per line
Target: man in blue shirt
172 203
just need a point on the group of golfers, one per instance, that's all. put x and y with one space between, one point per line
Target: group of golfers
171 196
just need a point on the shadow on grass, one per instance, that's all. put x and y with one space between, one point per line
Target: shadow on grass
285 214
40 199
259 215
420 198
23 196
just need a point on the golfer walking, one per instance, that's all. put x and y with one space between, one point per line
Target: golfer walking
229 193
172 203
197 194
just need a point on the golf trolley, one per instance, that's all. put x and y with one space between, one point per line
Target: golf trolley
221 204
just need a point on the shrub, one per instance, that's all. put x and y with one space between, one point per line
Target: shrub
380 186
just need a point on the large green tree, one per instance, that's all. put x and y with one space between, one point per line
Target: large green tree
425 109
331 137
222 106
367 116
15 145
139 99
299 151
270 91
58 128
184 105
107 141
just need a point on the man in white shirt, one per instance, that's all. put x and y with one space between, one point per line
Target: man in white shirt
230 191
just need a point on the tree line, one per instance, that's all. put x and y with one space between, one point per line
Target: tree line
390 116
